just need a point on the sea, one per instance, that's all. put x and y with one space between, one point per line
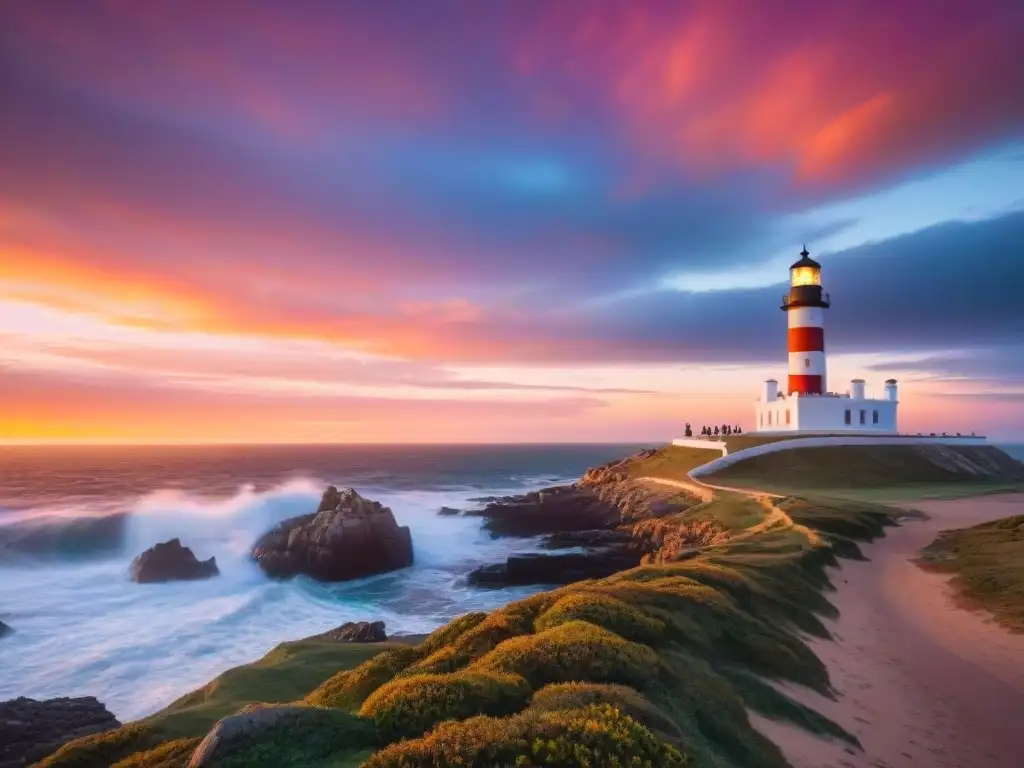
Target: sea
73 518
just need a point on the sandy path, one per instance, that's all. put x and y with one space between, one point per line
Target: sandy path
920 681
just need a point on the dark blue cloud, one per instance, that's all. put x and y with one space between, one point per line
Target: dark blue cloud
949 286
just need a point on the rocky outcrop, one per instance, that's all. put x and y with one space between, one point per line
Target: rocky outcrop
599 514
5 629
588 539
170 561
561 508
348 537
554 570
449 512
31 729
355 632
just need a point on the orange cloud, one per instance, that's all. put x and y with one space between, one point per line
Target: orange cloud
835 92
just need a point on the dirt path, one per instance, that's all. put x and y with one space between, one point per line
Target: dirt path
921 681
705 491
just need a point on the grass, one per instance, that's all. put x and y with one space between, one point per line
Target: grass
672 462
987 561
287 673
655 666
881 473
284 675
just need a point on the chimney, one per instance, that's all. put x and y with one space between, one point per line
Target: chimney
890 390
857 389
771 391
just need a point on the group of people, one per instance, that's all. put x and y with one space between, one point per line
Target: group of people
723 429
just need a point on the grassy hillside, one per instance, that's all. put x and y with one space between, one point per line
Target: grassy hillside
877 471
656 666
285 674
672 462
988 563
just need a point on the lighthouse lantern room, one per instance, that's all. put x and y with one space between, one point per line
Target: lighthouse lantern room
805 404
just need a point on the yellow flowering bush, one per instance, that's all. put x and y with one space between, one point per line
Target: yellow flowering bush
594 737
605 611
560 696
576 650
410 706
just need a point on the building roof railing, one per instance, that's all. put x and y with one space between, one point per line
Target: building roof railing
788 300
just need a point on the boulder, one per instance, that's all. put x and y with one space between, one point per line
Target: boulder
170 561
246 725
355 632
30 729
5 629
348 537
449 511
280 735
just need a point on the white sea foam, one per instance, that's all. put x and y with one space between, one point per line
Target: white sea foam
83 628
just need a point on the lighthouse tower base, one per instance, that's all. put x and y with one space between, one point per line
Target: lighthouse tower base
849 413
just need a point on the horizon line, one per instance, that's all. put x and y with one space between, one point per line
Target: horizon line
240 443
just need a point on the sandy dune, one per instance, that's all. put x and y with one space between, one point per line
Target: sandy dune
920 681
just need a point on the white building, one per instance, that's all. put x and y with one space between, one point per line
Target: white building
806 405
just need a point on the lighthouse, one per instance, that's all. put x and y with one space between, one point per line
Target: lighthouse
805 404
805 306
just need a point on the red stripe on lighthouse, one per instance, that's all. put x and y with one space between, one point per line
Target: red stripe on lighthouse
807 339
805 385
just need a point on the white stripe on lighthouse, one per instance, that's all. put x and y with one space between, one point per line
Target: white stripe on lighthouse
807 364
804 317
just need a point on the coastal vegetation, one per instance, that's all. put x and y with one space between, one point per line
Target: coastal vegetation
658 665
987 561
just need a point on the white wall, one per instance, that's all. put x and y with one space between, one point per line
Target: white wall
693 442
822 442
777 409
819 414
826 414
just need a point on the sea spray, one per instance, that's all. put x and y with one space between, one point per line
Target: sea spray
84 629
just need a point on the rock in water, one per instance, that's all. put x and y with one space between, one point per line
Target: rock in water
5 629
30 730
355 632
349 537
170 561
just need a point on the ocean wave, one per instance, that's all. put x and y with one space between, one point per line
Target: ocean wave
83 628
107 528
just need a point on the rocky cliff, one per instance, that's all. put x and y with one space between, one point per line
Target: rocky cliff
612 518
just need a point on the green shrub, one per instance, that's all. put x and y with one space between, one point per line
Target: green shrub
606 611
171 754
451 631
299 741
595 737
412 705
350 688
101 750
576 650
559 696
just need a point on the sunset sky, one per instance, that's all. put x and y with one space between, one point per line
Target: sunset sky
500 221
